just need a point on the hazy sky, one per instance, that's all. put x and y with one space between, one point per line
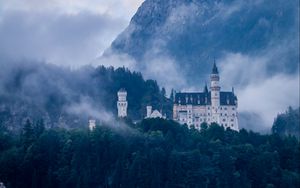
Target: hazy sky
64 32
76 32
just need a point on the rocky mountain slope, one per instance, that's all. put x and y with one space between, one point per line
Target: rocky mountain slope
193 32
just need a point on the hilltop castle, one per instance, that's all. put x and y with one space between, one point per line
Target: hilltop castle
195 108
207 106
122 103
122 106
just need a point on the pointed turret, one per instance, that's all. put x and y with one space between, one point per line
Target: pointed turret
215 69
205 89
215 87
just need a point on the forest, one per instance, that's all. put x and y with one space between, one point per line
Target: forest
288 123
153 153
67 98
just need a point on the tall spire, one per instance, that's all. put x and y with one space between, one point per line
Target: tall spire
215 69
205 88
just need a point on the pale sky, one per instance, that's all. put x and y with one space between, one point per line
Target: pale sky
65 32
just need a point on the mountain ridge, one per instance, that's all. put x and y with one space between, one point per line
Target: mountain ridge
194 32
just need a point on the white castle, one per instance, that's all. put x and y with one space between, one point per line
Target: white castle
122 103
92 124
154 113
207 106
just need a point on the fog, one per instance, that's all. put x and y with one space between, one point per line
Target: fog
73 34
68 33
266 81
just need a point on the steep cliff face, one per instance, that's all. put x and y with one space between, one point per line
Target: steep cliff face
193 32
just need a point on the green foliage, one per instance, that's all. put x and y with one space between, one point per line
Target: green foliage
152 153
55 89
288 123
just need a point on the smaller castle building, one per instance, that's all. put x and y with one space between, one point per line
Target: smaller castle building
122 103
154 113
92 124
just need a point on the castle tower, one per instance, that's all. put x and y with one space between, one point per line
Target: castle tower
122 103
214 87
92 124
215 93
149 111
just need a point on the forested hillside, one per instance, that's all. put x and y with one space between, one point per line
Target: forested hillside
67 98
154 153
288 123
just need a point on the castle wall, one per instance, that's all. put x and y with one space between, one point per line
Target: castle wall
195 115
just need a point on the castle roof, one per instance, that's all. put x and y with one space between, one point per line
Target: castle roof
226 98
215 69
156 114
122 90
205 89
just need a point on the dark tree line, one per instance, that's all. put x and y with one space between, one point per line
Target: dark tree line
288 123
154 153
35 90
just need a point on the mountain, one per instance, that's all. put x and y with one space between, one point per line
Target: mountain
193 32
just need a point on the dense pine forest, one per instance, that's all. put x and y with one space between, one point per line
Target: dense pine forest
68 98
104 94
153 153
288 123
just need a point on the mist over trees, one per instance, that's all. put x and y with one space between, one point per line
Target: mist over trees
44 140
67 98
153 153
288 123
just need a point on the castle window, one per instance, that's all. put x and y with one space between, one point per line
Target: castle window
224 119
232 108
221 114
231 125
221 108
225 114
225 108
208 114
232 114
232 120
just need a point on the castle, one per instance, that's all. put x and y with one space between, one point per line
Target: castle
122 103
195 108
122 106
217 106
154 113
